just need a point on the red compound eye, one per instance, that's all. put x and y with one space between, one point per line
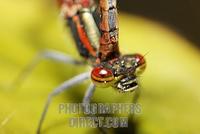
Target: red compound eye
139 59
140 63
102 76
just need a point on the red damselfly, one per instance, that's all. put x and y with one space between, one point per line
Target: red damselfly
95 31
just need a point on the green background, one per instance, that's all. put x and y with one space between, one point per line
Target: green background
170 85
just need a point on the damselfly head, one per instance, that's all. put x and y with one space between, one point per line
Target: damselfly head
120 73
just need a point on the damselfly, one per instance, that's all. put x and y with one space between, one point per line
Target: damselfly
95 31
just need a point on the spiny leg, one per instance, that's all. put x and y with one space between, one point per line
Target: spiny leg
63 87
47 54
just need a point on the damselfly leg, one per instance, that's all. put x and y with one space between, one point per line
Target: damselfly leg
64 87
60 89
87 100
88 94
45 55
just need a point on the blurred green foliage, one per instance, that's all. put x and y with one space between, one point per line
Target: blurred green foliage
170 86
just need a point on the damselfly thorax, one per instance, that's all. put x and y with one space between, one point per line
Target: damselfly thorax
96 31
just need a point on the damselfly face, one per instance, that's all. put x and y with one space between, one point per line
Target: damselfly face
120 73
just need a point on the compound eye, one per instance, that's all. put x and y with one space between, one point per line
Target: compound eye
140 63
102 77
